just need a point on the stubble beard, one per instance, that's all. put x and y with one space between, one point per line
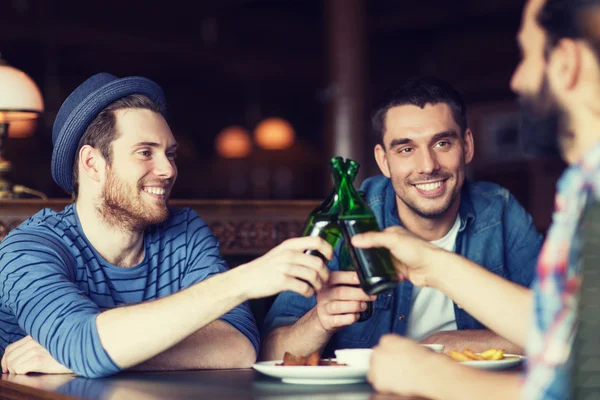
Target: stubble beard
542 121
413 205
123 208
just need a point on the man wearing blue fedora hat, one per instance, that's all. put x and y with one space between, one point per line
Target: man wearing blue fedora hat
117 279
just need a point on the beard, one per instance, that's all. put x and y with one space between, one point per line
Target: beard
417 205
542 121
123 207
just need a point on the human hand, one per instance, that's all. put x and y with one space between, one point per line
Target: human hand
286 267
401 366
413 257
340 301
26 355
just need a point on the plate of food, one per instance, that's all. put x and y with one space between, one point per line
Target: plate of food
489 359
312 370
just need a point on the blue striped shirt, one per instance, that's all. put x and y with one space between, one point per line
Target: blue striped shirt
53 283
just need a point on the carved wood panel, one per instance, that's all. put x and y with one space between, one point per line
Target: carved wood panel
242 227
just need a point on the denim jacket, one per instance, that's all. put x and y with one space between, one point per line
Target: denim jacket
495 232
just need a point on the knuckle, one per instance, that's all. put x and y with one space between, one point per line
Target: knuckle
289 254
337 292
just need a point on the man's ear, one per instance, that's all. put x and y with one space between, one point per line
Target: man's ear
91 163
381 159
469 145
565 64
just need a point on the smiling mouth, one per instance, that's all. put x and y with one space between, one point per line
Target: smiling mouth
155 190
428 187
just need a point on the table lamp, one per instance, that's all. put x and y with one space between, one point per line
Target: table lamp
20 105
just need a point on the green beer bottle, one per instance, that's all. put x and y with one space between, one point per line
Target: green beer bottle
346 265
322 221
373 266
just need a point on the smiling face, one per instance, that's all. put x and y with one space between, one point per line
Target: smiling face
425 156
139 179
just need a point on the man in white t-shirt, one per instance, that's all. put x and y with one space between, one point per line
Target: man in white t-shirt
423 147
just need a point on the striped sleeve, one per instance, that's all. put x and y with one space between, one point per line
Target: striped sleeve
37 286
204 260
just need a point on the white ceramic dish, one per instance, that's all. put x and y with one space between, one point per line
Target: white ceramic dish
319 375
510 361
354 357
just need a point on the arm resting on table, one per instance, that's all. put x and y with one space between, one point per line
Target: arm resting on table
303 337
217 345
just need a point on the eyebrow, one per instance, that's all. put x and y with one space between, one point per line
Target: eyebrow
154 144
449 134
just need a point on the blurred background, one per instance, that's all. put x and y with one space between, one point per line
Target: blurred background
261 93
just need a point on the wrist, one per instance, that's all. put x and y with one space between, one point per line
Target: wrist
239 286
314 322
436 260
434 365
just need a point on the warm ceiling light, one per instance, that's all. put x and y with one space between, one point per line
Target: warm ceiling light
233 142
274 134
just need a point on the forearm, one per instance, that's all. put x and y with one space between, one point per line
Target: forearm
499 304
131 335
216 346
476 340
303 337
458 382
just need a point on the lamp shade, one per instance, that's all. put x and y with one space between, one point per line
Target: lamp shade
274 134
20 97
22 128
233 142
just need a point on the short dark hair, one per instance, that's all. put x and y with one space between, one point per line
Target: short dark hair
101 132
420 91
570 19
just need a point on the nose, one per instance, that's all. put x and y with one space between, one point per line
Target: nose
428 162
165 167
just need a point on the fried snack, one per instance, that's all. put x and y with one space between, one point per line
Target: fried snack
458 356
290 359
468 355
472 355
498 356
331 363
313 359
488 354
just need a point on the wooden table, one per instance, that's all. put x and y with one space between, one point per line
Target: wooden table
207 384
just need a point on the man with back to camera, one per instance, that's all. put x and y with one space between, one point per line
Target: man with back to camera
423 147
558 82
117 279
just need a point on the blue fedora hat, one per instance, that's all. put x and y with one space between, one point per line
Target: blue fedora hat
79 110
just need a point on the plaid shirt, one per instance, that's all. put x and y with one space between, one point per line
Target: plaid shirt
557 287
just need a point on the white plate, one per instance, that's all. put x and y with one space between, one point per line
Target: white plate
505 363
319 375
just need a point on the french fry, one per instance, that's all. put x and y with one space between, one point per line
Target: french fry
458 356
499 355
472 355
488 354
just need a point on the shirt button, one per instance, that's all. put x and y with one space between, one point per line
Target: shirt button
401 318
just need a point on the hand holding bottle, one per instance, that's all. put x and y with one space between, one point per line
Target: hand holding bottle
413 257
286 267
341 301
